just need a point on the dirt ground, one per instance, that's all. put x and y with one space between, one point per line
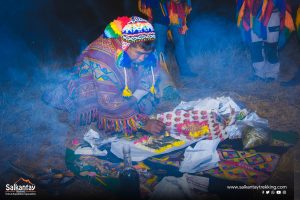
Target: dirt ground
32 135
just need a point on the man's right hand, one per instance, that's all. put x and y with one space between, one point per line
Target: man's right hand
154 126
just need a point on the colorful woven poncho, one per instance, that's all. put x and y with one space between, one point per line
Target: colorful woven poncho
255 15
105 87
97 91
177 13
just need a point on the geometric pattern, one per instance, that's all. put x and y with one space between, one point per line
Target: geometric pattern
248 167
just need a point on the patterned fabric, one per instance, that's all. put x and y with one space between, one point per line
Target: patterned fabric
175 121
249 167
177 13
255 15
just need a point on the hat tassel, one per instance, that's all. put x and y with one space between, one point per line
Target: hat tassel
126 91
152 88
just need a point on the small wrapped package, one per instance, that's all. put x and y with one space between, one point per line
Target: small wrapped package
255 136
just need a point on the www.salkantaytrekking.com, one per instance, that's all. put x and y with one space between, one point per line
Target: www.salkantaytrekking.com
266 189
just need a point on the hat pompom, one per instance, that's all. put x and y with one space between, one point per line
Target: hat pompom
123 21
114 28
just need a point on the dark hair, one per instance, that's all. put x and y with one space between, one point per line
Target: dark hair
146 45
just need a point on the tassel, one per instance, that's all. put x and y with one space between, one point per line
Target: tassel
126 92
132 123
152 88
117 126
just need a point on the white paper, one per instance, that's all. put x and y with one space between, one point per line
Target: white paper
90 151
233 132
202 157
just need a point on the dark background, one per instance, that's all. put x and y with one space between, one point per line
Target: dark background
35 32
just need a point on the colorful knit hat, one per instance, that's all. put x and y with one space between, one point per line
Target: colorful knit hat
131 30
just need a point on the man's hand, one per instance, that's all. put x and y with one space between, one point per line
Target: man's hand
154 126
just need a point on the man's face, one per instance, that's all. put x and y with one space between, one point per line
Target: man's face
137 54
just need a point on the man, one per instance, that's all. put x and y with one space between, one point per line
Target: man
169 15
298 22
264 24
296 79
115 80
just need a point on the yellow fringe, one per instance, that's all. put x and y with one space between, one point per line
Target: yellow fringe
117 126
127 92
132 123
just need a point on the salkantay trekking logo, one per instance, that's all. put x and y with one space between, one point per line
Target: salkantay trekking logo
21 187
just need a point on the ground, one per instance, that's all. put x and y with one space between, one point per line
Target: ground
32 135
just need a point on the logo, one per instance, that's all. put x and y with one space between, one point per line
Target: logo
20 187
272 192
278 192
267 192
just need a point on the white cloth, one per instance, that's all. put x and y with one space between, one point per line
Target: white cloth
93 139
90 151
234 132
202 157
253 120
180 188
265 69
222 105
